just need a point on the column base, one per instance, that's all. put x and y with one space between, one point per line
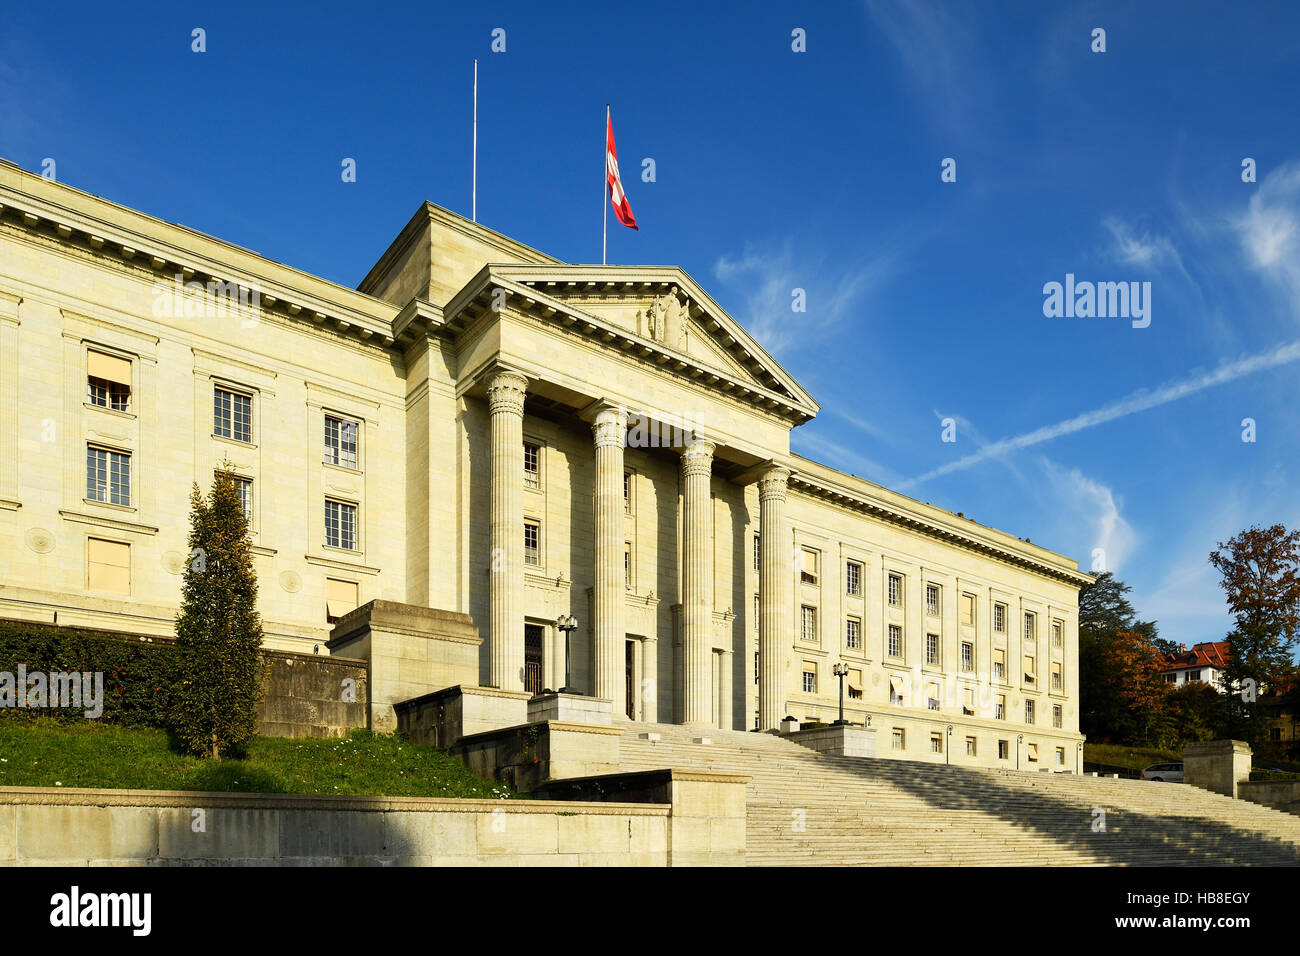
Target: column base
569 708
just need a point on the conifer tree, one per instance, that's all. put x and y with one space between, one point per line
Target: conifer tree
218 629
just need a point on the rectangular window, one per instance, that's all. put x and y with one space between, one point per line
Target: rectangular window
1000 708
108 566
855 683
896 690
1004 749
1000 618
970 746
1060 756
968 610
1033 753
756 667
936 743
532 465
808 623
108 381
756 602
852 579
758 553
808 574
968 701
340 598
532 543
1029 711
340 442
1058 634
899 738
809 678
967 656
895 590
1056 716
1056 677
932 648
1030 627
232 414
1031 670
932 697
932 600
999 665
244 488
340 525
627 565
895 648
853 633
108 476
627 493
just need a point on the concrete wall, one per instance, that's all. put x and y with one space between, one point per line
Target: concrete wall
1278 794
307 696
40 826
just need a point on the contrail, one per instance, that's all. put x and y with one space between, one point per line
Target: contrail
1139 401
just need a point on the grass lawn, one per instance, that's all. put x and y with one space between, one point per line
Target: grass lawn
1132 758
49 754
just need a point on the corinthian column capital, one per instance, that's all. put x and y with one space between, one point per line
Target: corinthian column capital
773 483
609 429
506 391
697 458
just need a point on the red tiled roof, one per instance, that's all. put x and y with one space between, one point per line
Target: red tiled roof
1209 654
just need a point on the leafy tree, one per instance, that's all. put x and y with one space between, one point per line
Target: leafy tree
1195 712
1118 656
218 629
1260 569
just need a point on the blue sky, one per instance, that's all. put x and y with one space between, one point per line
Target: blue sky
778 170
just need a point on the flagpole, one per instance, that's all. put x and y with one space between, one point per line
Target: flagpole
474 188
604 185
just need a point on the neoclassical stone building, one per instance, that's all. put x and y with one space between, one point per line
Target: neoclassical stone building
479 428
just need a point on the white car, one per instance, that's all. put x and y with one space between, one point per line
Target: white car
1164 772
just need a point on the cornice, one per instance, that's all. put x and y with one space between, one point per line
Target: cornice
150 255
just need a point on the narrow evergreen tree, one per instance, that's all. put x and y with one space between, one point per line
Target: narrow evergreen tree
218 629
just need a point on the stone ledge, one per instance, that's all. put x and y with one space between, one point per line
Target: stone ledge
187 799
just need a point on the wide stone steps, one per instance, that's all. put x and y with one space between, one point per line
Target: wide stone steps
805 808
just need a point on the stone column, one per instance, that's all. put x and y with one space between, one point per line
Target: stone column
506 392
608 631
649 689
725 714
775 578
697 581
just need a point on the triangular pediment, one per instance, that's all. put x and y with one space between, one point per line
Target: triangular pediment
665 307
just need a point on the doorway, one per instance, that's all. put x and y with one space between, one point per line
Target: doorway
533 659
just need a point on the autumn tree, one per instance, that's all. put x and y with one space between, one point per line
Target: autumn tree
218 629
1117 654
1260 570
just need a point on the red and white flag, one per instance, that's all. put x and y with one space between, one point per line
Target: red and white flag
616 197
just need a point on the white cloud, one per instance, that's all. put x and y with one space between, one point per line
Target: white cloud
1138 401
839 456
1146 250
1092 502
1270 228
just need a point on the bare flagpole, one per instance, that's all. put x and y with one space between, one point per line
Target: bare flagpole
604 228
474 188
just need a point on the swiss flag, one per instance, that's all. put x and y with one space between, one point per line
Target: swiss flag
616 197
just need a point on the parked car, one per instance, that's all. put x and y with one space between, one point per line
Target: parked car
1164 772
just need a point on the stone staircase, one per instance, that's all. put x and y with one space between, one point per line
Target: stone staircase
807 809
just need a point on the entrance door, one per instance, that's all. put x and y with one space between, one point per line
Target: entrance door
629 667
533 658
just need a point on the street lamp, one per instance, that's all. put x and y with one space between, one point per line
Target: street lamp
947 746
566 623
841 670
1019 739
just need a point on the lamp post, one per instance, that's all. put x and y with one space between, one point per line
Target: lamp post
1019 739
947 747
841 670
566 623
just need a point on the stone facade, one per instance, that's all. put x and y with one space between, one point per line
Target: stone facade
483 430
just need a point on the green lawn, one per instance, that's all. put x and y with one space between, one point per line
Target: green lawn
47 754
1132 758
